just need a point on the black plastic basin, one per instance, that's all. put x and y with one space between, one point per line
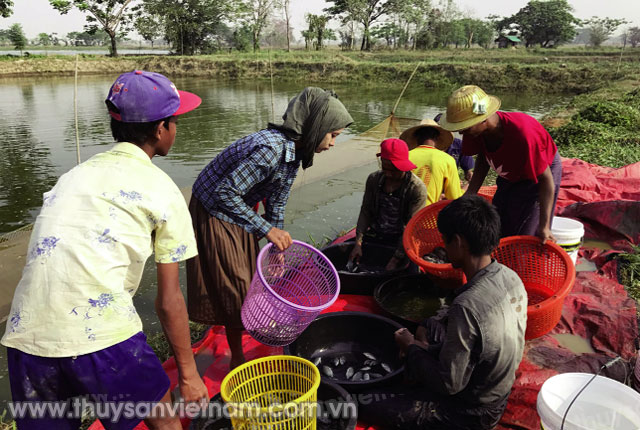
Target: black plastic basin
373 257
351 335
410 299
328 393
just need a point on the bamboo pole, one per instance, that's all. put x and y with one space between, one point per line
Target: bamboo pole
75 110
393 111
273 108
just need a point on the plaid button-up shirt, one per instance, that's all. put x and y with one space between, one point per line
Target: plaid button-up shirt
261 166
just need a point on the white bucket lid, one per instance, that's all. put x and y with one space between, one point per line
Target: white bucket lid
603 401
567 226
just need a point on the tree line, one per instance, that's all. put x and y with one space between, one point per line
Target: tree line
205 26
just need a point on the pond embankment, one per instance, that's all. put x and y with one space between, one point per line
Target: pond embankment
562 71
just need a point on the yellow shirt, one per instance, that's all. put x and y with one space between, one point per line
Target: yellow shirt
97 227
438 171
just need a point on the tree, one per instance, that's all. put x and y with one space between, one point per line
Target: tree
547 23
149 27
602 28
256 17
412 16
390 32
634 36
308 36
112 16
17 37
286 9
194 26
5 8
364 11
318 29
484 34
242 38
44 39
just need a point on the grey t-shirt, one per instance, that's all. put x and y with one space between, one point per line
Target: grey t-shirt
475 365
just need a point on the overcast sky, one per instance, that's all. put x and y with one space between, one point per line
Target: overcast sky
37 16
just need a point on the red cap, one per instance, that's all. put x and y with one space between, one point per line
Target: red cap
396 151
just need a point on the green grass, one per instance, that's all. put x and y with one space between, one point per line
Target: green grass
604 131
629 272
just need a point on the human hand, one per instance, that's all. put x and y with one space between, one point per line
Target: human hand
403 338
279 238
193 390
544 233
356 253
468 175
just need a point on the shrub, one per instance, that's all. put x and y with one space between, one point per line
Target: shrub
611 113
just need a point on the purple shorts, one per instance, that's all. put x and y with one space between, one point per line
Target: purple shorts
128 372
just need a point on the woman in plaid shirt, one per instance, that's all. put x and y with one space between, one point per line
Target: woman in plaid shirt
258 167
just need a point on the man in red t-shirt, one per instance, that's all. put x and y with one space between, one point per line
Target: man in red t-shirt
519 149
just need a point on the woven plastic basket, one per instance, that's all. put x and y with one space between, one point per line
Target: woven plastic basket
488 191
421 236
548 275
288 290
277 392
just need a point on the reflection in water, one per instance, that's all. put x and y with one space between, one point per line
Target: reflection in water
25 174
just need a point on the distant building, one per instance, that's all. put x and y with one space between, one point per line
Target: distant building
507 41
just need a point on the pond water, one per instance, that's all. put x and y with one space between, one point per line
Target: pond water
38 145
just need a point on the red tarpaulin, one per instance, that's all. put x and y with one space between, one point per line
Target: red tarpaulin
598 309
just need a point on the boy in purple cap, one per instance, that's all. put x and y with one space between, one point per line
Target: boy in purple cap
73 329
392 196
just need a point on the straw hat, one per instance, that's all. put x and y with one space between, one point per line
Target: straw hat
443 142
468 106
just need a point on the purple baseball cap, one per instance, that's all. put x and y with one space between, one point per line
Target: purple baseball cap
143 96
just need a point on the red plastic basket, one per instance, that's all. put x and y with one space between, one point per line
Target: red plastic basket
547 273
488 192
421 236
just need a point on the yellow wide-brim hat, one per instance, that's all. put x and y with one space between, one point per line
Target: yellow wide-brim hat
468 106
443 142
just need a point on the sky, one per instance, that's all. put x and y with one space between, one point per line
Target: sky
37 16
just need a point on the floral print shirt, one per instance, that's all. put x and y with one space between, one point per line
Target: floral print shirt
95 231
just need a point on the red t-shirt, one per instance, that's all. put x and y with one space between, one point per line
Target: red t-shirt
527 148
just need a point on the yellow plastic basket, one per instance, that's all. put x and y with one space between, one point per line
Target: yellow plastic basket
275 393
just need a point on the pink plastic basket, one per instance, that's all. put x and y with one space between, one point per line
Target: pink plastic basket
287 292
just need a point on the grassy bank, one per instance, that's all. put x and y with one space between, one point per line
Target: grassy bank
602 126
559 71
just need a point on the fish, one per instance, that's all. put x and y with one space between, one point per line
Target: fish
357 377
366 377
370 362
369 355
327 371
364 369
343 360
349 373
317 361
336 362
386 367
375 375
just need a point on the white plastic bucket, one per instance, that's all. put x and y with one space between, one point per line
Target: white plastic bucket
604 405
568 233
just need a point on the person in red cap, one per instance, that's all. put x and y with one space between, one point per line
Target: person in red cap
73 329
392 196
